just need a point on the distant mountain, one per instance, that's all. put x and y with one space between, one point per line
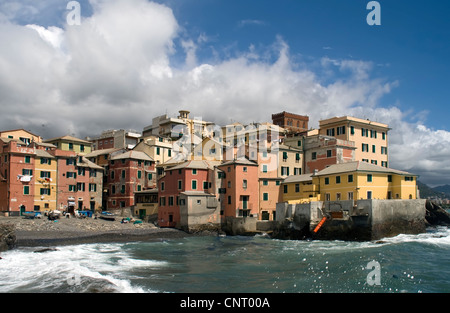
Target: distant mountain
426 191
445 189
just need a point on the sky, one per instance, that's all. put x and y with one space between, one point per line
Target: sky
128 61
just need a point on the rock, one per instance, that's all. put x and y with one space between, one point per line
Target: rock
436 215
7 237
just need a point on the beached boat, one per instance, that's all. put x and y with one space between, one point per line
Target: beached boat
54 215
108 216
32 215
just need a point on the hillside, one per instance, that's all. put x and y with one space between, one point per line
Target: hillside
445 189
426 191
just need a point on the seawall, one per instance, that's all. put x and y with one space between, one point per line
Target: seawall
361 220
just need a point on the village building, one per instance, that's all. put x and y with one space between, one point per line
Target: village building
189 176
128 172
115 138
370 138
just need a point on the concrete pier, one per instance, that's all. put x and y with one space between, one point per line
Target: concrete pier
361 220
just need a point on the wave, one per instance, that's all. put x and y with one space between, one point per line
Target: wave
78 268
439 236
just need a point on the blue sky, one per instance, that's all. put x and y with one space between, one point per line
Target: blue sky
131 60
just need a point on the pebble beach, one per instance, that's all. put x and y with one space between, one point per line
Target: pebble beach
63 231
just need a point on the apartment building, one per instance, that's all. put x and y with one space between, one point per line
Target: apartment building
128 172
17 170
70 143
115 138
195 176
370 138
293 123
46 188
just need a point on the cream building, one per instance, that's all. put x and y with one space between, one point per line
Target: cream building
370 138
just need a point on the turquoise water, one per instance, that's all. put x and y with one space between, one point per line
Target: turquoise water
406 263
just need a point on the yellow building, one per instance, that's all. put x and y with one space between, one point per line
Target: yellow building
370 138
299 189
350 181
45 187
361 180
69 143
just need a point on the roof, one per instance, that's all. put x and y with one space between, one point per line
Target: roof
96 153
8 140
86 163
298 178
68 138
197 164
240 161
136 155
196 193
43 154
358 166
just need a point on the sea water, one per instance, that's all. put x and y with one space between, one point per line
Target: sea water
405 263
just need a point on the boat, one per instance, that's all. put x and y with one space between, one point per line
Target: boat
54 215
107 216
32 215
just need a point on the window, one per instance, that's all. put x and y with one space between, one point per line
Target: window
205 185
73 188
244 169
327 197
194 171
229 199
389 178
244 184
373 134
171 201
409 178
338 196
112 174
328 153
285 171
285 189
162 186
26 190
27 172
194 184
384 150
162 201
327 180
341 130
285 156
297 170
81 171
157 151
113 189
277 183
265 196
350 195
369 194
70 161
265 182
350 178
123 173
365 147
330 132
314 155
139 174
45 174
264 168
297 188
297 157
80 187
82 148
369 178
338 179
27 159
352 130
70 146
375 162
122 189
374 149
93 187
383 136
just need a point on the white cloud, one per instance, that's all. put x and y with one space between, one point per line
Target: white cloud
114 71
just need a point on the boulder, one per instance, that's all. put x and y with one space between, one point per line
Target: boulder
436 215
7 237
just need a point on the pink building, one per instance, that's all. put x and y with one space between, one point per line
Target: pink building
240 183
194 175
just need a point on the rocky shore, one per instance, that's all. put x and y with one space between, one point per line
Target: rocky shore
44 232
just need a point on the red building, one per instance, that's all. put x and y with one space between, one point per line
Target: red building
195 175
16 176
128 172
292 122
